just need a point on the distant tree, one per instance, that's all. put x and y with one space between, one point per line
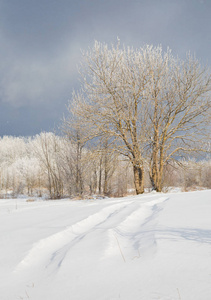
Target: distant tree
27 171
11 149
75 134
47 147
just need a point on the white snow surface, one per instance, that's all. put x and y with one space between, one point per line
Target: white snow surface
147 247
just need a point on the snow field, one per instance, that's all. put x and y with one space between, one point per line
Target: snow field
148 247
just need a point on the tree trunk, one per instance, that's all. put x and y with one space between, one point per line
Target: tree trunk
100 178
138 179
160 176
156 175
79 179
105 188
156 181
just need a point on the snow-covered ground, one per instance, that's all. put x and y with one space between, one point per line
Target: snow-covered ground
155 246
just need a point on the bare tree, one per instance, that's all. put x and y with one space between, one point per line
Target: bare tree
179 97
47 147
112 102
76 135
144 103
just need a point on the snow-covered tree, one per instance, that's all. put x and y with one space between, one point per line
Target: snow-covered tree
146 104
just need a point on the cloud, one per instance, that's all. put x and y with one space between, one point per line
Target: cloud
37 79
41 42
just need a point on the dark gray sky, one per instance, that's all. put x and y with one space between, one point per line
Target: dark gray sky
41 42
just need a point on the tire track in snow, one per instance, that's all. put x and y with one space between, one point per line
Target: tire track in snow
47 249
123 220
135 236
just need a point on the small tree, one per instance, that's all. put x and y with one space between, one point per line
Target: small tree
47 148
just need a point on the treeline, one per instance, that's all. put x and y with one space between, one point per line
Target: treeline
53 166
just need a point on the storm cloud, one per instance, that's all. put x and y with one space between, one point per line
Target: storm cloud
41 43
